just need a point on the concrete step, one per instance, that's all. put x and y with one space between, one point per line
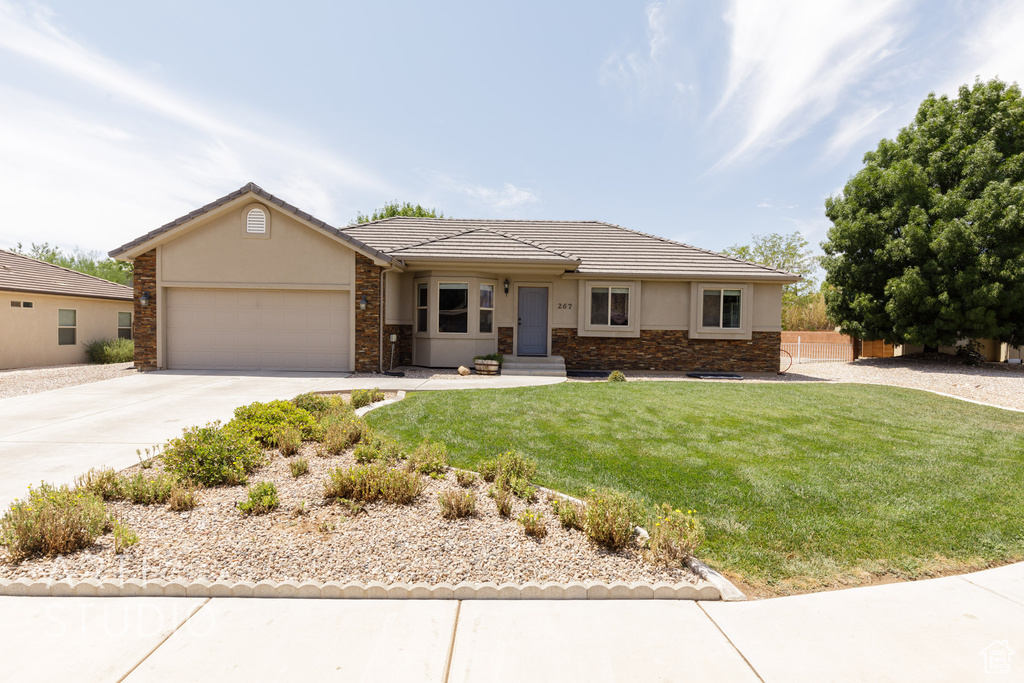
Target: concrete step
550 366
533 373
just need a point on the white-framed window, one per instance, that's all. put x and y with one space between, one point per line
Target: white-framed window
486 309
422 289
256 221
453 307
124 325
67 323
721 308
609 309
21 304
609 306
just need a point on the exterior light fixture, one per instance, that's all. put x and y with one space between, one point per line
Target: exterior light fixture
144 298
506 286
362 303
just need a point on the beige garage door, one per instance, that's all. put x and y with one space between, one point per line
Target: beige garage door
251 329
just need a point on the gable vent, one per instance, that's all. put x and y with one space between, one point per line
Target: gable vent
256 222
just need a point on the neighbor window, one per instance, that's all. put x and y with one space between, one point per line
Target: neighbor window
256 222
124 325
453 307
609 306
21 304
721 308
67 320
15 304
421 307
486 309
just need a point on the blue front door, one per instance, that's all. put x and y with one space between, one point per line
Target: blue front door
533 321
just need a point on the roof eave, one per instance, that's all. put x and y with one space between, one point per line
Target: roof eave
772 278
25 290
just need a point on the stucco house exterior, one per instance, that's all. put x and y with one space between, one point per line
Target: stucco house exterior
48 313
252 282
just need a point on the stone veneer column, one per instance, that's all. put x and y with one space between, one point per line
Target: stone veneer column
144 319
367 322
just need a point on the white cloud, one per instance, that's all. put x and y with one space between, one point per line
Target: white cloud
854 127
994 47
507 198
641 72
790 61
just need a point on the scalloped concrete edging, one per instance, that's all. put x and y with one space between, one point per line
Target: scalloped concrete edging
373 590
365 409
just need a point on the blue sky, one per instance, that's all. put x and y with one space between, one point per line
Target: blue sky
705 122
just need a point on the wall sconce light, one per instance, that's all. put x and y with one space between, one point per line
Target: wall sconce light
506 286
144 298
362 303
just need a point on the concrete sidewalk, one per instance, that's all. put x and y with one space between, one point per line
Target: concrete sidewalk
57 435
968 628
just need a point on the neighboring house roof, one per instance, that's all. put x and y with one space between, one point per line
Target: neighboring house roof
230 197
23 274
599 248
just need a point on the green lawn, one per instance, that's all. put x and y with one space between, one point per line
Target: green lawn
800 486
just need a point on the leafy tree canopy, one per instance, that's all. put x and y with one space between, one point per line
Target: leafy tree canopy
927 243
392 209
88 262
786 252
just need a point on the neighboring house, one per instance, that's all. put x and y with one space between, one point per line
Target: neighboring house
48 313
250 281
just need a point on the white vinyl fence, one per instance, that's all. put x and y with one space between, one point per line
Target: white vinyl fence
816 352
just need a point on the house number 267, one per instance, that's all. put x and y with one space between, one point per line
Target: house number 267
564 306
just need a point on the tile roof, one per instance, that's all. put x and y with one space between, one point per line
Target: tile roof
482 245
600 248
23 274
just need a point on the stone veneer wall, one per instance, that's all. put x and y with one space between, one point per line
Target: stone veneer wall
144 318
505 341
403 347
367 322
667 350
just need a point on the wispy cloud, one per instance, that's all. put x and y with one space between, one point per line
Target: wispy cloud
790 61
855 127
506 198
993 47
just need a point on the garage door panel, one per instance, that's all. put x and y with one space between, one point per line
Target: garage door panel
258 329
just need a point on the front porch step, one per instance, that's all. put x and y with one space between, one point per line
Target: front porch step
549 366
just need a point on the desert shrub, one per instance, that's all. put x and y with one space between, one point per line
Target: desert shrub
110 350
212 455
262 421
503 499
262 499
52 521
400 487
124 537
377 447
342 433
105 483
675 535
298 467
362 483
182 498
456 503
465 478
429 458
361 398
512 471
533 523
319 405
570 513
616 376
288 440
610 518
142 490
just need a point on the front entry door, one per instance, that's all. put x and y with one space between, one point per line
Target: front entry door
533 321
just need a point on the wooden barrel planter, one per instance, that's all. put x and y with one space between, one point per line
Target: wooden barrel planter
488 367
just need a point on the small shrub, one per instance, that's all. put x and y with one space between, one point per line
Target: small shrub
455 503
261 500
212 455
362 483
143 491
319 405
533 523
616 376
377 447
465 478
401 488
124 537
503 499
342 433
105 483
675 535
361 398
300 510
610 518
52 521
430 459
298 467
110 351
288 440
262 421
182 498
512 471
570 513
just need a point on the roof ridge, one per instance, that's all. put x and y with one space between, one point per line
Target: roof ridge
532 243
66 270
434 239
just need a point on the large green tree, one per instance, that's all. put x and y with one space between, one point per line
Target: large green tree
88 262
927 243
392 209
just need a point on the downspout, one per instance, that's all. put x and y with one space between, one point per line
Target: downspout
380 318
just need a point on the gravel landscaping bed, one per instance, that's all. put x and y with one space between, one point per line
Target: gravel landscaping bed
387 543
33 380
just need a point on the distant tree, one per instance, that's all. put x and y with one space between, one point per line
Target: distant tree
787 252
927 243
392 209
88 262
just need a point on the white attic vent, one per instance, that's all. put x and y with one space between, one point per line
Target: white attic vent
256 222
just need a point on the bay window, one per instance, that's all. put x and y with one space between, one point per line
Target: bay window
453 307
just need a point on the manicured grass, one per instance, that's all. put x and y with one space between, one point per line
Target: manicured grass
799 486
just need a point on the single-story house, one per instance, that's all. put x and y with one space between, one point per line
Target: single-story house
252 282
48 313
